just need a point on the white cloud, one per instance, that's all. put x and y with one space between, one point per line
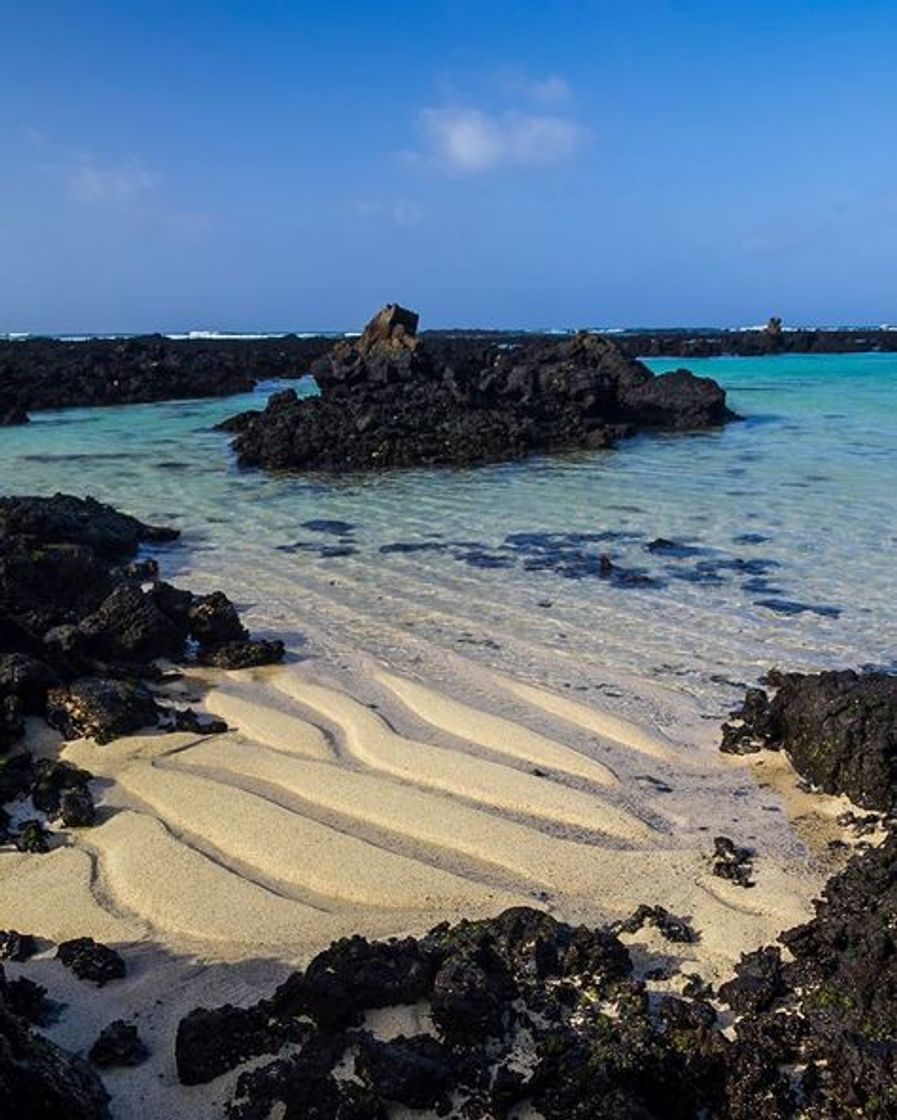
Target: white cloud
116 183
471 140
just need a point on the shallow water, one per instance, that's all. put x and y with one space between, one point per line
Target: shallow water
783 527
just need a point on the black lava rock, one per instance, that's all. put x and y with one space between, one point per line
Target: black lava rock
38 1080
101 709
839 729
15 946
392 398
119 1044
90 960
211 1042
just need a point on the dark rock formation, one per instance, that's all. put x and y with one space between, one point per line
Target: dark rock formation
101 709
393 399
15 946
496 988
211 1042
829 1012
46 373
79 636
39 1080
839 729
119 1044
89 960
529 1009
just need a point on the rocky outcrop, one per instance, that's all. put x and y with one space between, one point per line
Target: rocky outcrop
839 730
47 373
39 1080
394 399
527 1009
81 629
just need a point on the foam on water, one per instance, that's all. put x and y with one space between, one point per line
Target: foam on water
780 533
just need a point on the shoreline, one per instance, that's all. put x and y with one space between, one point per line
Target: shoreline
284 720
41 373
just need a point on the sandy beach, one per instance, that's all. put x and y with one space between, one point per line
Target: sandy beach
375 803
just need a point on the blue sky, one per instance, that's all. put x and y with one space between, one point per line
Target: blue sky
294 165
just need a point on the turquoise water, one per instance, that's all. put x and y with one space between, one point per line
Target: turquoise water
785 522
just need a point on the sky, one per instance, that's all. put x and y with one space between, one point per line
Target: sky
214 164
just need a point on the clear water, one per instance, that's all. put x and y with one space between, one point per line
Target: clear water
788 519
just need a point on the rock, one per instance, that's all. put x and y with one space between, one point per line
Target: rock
128 626
213 620
471 996
15 946
27 679
731 862
11 412
415 1072
89 960
119 1044
354 975
78 521
33 837
672 928
38 373
76 808
12 723
51 780
102 710
241 654
839 730
29 1001
394 399
40 1081
211 1042
185 719
757 984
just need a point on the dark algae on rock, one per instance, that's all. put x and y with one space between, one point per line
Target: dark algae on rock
393 398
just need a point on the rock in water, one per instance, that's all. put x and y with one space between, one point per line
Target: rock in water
392 398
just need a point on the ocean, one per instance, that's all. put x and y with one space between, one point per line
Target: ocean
767 543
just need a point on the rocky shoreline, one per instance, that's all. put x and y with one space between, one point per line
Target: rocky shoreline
45 373
517 1008
394 398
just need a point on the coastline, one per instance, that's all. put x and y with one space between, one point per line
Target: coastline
206 905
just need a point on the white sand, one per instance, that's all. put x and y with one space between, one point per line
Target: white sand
221 861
